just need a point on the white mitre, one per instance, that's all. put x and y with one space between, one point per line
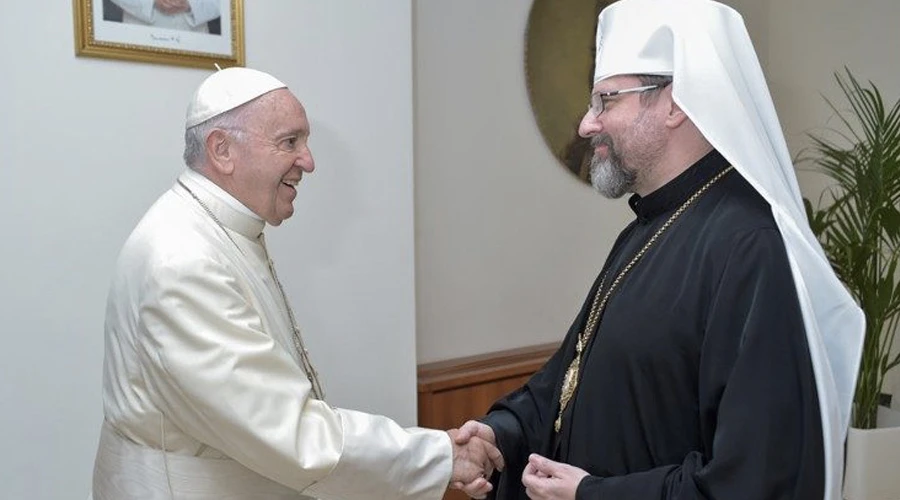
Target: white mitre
227 89
719 84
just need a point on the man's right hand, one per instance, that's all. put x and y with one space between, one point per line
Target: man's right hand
474 443
474 428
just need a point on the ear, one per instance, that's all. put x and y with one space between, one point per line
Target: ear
220 151
675 116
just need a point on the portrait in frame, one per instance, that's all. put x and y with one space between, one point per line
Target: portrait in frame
198 33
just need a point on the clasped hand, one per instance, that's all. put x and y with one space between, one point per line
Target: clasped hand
543 478
475 457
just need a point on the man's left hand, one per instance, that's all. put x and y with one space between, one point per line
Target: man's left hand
545 479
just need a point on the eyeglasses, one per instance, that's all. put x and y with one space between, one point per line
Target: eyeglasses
598 99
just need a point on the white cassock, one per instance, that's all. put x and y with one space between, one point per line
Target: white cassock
200 362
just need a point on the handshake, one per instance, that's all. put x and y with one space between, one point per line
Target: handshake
475 457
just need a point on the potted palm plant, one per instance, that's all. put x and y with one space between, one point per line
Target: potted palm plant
857 222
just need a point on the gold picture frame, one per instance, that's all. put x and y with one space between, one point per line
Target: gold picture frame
141 31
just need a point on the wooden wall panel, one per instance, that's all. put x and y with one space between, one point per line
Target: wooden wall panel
453 391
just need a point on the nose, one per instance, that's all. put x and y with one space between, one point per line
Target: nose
305 160
590 125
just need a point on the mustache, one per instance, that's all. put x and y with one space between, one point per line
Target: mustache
603 139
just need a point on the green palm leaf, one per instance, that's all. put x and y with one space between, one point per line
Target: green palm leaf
858 223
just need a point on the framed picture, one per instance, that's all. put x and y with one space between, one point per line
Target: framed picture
199 33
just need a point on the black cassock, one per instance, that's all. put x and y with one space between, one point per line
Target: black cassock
698 383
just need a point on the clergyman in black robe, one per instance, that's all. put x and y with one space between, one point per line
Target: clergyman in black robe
698 382
721 360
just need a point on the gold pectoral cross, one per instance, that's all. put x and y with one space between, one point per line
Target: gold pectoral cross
570 381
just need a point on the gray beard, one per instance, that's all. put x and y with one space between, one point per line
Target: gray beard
609 177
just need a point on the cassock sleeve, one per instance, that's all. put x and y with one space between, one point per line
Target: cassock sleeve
223 380
520 419
756 389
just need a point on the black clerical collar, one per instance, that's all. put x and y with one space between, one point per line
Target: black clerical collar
679 189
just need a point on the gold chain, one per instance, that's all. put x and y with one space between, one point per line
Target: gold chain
311 374
570 381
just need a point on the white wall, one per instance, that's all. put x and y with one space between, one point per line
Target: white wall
88 144
809 40
507 241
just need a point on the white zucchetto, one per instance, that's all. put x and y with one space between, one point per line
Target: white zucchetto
718 82
227 89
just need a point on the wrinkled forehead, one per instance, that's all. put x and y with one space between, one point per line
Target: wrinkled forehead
279 99
284 112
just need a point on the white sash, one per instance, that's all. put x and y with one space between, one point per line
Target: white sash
127 471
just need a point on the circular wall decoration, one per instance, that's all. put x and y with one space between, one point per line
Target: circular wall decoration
559 65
